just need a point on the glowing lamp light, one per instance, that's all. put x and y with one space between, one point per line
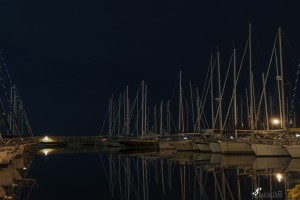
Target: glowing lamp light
275 121
8 197
24 168
297 135
46 139
279 177
185 138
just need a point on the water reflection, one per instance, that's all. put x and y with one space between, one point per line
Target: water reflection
152 175
14 179
190 175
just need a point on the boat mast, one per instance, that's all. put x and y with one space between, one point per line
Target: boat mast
234 99
265 99
180 119
192 104
212 95
220 95
250 82
119 114
278 78
282 82
154 120
197 125
161 118
142 106
145 106
168 118
127 112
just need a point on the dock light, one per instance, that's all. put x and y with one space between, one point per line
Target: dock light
45 139
279 177
275 121
8 197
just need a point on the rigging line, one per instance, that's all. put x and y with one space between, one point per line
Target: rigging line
235 84
288 44
294 94
101 131
264 84
204 100
13 114
221 98
11 111
205 87
205 123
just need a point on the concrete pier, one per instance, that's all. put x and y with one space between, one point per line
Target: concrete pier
63 141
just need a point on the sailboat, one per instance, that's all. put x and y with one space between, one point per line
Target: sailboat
275 146
183 143
293 150
240 145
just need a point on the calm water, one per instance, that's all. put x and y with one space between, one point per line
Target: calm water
93 174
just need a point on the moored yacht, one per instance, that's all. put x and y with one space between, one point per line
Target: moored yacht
183 145
293 150
271 148
215 146
165 144
236 147
202 146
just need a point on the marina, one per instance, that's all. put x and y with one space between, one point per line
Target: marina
144 100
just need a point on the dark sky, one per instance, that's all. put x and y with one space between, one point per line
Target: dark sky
68 57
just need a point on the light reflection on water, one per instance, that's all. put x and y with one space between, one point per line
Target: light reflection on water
88 174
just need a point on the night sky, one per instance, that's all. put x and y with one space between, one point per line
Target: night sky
68 57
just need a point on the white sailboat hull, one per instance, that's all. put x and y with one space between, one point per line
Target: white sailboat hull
236 147
164 145
202 146
183 145
269 150
215 147
294 150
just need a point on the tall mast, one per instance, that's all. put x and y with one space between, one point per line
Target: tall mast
250 82
168 117
145 106
192 103
127 112
137 116
197 124
161 116
220 95
212 95
266 105
180 118
234 89
142 107
282 82
278 78
119 114
154 120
